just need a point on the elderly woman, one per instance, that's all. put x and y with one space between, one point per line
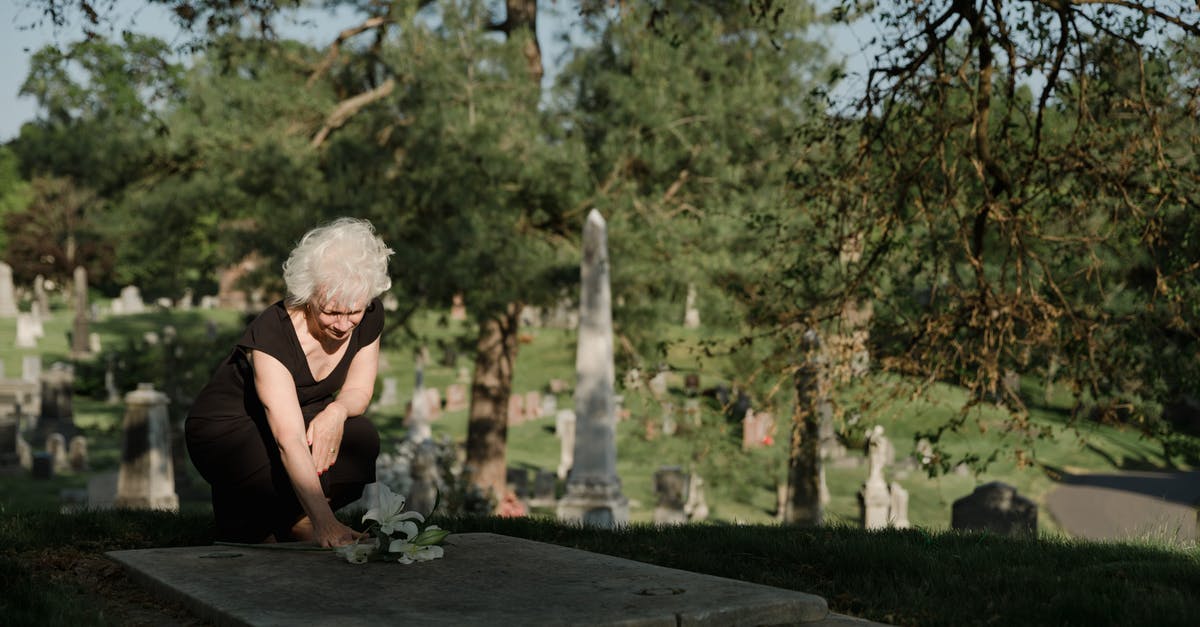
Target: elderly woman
278 431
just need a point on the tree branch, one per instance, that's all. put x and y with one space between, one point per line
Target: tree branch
349 107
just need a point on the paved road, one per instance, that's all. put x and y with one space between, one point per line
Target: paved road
1160 505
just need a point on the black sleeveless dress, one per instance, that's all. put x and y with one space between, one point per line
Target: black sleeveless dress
231 445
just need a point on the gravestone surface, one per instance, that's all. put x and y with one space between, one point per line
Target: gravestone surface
545 486
691 315
495 580
995 507
56 413
26 331
874 498
593 495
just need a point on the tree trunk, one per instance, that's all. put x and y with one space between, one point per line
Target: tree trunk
804 462
487 426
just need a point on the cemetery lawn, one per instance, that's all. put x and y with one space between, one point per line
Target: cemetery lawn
53 572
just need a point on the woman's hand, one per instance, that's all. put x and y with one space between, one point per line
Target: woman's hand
324 435
333 533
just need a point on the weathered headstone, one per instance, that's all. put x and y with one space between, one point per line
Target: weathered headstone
79 328
42 466
549 405
40 296
131 300
593 494
516 410
186 302
545 484
670 491
533 405
110 382
35 313
757 429
898 506
26 331
426 478
696 506
669 426
691 315
8 301
94 344
56 446
77 454
57 388
517 480
995 507
433 403
564 430
24 452
874 499
658 384
147 476
31 368
456 397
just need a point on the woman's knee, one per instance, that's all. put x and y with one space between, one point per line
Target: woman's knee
360 435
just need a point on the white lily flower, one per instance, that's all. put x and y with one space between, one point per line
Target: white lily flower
410 552
358 552
388 513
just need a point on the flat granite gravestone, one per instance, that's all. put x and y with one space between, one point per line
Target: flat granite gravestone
484 579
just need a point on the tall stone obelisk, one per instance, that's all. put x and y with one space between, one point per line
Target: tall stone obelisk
593 494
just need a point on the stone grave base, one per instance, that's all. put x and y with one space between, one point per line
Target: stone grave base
484 579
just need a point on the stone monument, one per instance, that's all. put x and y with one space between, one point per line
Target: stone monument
79 329
593 494
147 476
564 430
691 315
8 300
995 507
874 498
419 414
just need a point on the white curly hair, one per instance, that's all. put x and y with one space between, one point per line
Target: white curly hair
342 262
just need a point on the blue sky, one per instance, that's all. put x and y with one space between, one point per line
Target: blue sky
20 37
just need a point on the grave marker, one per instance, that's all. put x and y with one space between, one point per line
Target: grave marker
593 494
147 476
8 301
995 507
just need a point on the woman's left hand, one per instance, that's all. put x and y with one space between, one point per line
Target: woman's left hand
325 436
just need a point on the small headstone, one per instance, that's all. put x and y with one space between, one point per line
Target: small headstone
516 410
533 405
94 343
898 506
669 426
545 484
208 301
8 301
758 429
696 506
150 338
24 454
558 386
77 454
186 302
995 507
147 476
35 312
464 375
670 487
57 388
433 403
456 397
26 331
56 446
131 300
110 382
518 481
549 405
564 430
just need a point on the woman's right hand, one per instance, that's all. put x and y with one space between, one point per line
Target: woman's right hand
333 534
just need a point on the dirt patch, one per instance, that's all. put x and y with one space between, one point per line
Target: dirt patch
99 580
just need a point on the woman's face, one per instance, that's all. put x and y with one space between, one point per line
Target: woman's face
336 321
